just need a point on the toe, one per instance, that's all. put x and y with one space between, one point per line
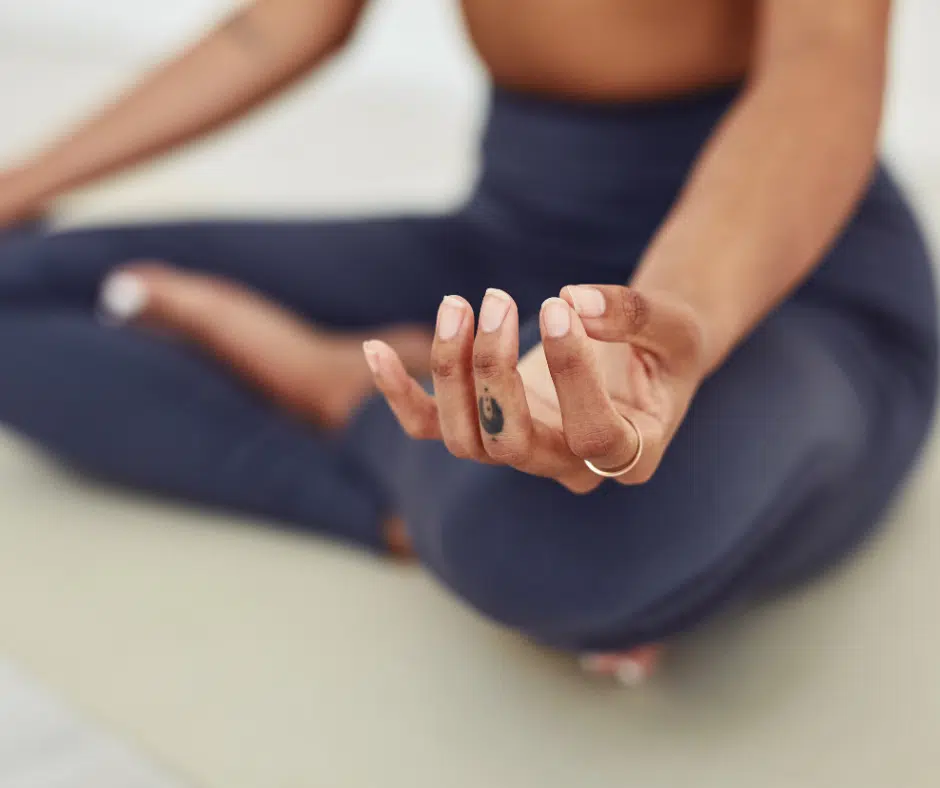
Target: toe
630 668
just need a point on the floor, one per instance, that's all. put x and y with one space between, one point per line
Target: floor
248 658
44 744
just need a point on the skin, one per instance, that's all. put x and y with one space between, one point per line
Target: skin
267 344
768 194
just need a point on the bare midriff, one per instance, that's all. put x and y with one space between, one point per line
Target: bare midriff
612 50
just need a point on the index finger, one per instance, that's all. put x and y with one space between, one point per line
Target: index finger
594 430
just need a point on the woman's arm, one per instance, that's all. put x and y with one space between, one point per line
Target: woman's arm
618 367
250 56
781 174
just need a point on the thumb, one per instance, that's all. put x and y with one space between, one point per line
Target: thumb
613 313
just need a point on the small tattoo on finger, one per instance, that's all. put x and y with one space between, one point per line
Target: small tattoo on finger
491 415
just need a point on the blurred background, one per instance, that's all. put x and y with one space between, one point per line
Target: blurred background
410 74
220 650
392 120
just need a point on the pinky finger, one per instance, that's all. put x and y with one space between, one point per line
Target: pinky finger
414 408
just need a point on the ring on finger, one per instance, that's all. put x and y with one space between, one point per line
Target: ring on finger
614 473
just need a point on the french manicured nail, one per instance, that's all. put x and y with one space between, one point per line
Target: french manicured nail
588 301
494 309
370 350
556 316
123 297
450 317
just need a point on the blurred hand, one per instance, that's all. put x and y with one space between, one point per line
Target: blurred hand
615 370
18 201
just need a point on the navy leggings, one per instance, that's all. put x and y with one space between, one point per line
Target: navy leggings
788 457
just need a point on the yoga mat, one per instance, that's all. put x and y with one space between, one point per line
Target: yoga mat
43 744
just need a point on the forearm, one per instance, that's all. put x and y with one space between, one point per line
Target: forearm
239 64
768 195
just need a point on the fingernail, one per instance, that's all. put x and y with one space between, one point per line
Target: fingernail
494 309
370 350
631 673
450 317
588 301
123 297
556 316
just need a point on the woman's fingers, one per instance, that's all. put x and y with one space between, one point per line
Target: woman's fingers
594 430
508 433
451 371
503 420
414 408
612 313
480 407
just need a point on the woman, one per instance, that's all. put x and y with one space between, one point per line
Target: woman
732 373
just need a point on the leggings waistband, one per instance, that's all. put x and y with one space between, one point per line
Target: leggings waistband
534 143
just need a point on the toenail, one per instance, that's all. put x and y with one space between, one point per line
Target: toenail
123 297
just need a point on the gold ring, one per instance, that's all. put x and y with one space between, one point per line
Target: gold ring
626 468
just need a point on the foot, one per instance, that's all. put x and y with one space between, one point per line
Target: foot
316 373
397 539
630 668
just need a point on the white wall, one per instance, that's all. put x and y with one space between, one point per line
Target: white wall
420 40
137 24
416 39
912 128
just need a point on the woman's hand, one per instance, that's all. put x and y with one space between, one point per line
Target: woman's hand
18 203
613 376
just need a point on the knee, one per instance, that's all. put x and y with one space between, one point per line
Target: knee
575 571
530 555
38 269
21 273
20 233
66 267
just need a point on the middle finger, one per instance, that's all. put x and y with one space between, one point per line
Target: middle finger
505 424
510 435
453 379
